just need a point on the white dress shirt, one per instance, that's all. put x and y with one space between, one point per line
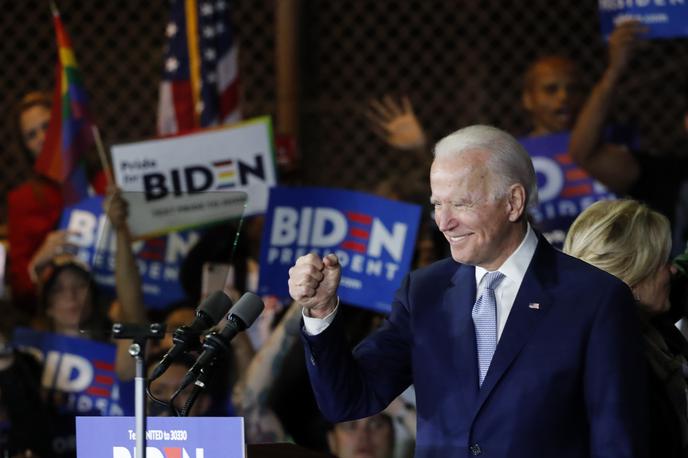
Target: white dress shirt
314 326
514 269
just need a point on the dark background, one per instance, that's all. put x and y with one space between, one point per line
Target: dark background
460 62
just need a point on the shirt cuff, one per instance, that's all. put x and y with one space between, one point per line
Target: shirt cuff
314 326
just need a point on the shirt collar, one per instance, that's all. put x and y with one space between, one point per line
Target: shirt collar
514 268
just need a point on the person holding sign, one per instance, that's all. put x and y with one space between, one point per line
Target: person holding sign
69 297
587 148
34 207
652 178
514 348
552 95
76 316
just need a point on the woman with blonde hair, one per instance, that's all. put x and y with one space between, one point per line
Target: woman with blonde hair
632 242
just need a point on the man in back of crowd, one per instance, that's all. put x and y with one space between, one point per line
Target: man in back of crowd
652 177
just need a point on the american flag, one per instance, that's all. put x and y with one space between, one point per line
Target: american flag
200 84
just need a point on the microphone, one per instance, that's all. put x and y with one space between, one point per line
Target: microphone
242 315
209 313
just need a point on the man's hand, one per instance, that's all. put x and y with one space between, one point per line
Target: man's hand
313 283
622 44
395 123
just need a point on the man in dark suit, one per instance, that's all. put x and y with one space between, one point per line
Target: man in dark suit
515 349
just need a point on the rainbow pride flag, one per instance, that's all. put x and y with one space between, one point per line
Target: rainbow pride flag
69 134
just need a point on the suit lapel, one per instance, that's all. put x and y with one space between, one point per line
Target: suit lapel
530 307
459 299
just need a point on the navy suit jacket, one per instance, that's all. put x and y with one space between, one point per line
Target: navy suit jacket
566 379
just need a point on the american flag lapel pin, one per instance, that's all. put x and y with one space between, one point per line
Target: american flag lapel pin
534 305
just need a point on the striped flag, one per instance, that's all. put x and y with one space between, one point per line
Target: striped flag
200 84
69 134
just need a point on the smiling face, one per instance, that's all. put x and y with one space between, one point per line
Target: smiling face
481 224
552 95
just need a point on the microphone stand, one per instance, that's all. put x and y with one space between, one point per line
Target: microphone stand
199 385
214 341
140 334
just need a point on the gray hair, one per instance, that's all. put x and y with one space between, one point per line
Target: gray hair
509 162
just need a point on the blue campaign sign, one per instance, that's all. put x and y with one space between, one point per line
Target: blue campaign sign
564 189
166 437
159 259
78 373
373 237
663 18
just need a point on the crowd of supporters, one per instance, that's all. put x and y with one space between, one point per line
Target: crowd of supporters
264 378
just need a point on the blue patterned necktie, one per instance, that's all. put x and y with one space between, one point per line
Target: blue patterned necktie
485 321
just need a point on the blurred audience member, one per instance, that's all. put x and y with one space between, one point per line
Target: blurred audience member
25 419
174 316
217 246
654 178
371 437
165 386
552 95
128 287
227 368
632 242
250 395
70 304
396 123
69 298
613 165
35 206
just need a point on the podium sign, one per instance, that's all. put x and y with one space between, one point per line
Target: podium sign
167 437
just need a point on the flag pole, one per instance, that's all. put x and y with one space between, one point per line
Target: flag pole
103 228
101 154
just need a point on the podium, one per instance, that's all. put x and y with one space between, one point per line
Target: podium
282 450
178 436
